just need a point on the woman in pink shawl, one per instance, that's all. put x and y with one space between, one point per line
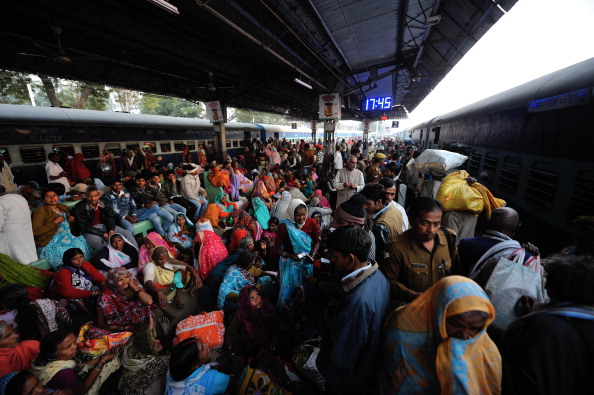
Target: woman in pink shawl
245 184
273 157
323 201
151 241
208 250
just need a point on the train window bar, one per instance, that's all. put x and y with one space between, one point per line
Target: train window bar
68 148
541 186
90 150
582 195
235 143
178 146
132 146
114 148
191 145
153 146
33 154
165 147
511 167
6 154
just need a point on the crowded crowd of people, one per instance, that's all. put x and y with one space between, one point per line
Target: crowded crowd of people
286 269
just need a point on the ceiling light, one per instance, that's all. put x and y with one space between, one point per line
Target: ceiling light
303 83
165 5
432 20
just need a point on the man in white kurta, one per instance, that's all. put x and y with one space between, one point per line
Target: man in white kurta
348 181
54 171
16 231
6 176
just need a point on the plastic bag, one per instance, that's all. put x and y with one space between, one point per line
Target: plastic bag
437 162
456 195
508 282
93 348
207 327
305 363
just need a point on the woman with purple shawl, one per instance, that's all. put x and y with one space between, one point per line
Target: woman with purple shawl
253 331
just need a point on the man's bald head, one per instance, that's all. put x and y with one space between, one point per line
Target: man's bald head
504 220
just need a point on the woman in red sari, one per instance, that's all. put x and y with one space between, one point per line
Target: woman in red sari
244 226
209 250
123 304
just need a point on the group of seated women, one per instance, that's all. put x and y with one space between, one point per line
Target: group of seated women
111 321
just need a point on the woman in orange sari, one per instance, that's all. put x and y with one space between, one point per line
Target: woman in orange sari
219 178
201 156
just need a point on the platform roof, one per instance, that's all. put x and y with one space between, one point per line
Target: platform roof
254 49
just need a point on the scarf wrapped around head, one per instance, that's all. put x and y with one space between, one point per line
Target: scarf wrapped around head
116 258
227 207
144 254
421 358
248 316
244 222
118 304
261 212
291 209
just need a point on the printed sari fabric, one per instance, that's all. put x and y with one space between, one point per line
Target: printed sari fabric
212 251
420 358
293 273
144 255
119 305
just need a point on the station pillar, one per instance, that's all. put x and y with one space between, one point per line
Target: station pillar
366 123
314 131
220 141
329 141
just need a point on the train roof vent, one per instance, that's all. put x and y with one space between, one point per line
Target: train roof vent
582 195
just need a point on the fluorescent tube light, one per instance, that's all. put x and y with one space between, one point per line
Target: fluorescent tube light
302 83
165 5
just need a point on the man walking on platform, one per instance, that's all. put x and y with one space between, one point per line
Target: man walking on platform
348 181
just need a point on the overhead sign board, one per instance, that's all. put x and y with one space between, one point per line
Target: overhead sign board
330 106
214 112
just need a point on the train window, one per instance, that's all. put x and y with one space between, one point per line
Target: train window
33 154
178 146
113 148
132 146
69 149
511 167
228 143
474 163
166 147
235 143
5 154
211 142
582 195
153 146
90 150
541 186
202 143
490 165
191 145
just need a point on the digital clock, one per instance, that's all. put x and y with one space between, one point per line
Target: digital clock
377 103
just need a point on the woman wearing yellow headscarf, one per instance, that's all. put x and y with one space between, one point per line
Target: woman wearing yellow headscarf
438 343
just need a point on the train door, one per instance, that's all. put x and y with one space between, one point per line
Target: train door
436 136
247 138
276 136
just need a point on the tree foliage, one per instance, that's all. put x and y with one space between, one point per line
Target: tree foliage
13 87
170 106
259 117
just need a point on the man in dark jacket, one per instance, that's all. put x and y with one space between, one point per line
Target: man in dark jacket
96 220
550 350
348 353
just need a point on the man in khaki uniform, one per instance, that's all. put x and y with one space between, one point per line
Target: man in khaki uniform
422 255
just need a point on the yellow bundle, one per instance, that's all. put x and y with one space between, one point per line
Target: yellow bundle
456 194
